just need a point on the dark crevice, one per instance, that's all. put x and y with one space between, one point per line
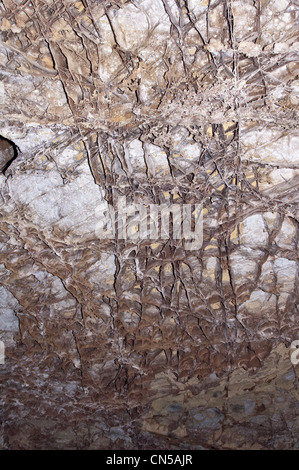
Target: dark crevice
9 151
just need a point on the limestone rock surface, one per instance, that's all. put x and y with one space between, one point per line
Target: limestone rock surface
135 343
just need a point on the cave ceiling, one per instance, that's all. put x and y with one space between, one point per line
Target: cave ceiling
131 342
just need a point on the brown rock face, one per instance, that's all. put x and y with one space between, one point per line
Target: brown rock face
113 336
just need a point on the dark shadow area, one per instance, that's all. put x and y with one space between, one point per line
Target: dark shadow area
8 153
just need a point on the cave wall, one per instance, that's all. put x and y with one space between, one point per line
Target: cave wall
141 343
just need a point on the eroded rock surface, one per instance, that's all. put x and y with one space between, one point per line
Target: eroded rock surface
142 343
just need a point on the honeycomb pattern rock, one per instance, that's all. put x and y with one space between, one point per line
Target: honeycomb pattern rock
141 343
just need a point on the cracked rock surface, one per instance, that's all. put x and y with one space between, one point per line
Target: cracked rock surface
134 343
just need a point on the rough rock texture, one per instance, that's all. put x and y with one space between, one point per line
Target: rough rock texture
142 344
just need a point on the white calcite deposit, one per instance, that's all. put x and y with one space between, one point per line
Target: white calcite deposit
143 343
